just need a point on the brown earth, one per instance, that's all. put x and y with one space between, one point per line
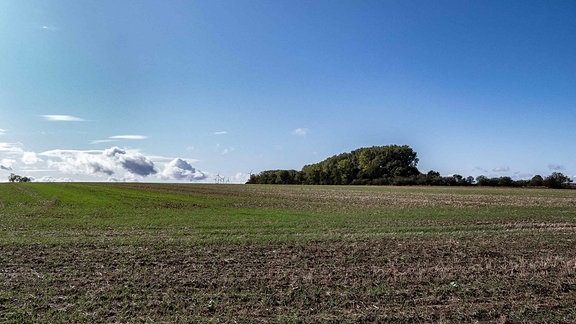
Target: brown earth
520 276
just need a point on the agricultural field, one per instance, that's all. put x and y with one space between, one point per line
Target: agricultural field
94 252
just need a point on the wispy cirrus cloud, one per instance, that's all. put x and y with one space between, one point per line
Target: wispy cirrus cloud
2 131
11 147
555 167
116 138
62 118
300 132
501 169
49 28
103 141
221 133
128 137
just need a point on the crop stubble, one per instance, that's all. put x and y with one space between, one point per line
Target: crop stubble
503 270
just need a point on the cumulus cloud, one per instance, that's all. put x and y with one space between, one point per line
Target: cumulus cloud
179 169
11 147
7 164
133 162
53 179
300 132
80 162
64 118
30 158
241 177
107 162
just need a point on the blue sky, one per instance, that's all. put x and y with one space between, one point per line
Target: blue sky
184 90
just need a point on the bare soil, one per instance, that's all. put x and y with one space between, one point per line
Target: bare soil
519 277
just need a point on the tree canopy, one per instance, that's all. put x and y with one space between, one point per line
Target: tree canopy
16 178
372 165
389 165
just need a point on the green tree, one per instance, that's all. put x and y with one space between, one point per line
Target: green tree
16 178
372 165
505 182
556 180
536 181
387 162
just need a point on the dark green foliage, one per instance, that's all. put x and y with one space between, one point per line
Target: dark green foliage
536 181
373 165
276 177
16 178
390 165
556 180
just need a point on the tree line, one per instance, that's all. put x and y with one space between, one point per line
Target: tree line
389 165
16 178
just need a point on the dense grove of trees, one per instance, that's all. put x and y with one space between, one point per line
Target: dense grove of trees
373 165
389 165
16 178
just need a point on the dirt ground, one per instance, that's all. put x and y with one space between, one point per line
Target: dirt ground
524 276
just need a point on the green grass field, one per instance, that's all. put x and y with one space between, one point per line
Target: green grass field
75 252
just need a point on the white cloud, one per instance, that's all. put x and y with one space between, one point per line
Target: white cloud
501 169
119 137
30 158
7 163
133 162
102 141
129 137
241 177
555 167
479 169
2 131
221 133
80 162
11 147
224 150
65 118
53 179
49 28
107 162
179 169
300 131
